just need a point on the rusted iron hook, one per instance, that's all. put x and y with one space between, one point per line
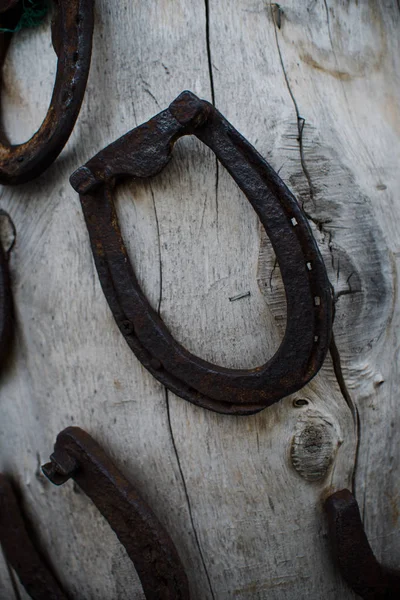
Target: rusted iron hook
20 551
353 554
144 152
78 456
72 30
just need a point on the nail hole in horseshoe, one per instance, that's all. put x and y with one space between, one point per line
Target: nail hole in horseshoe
300 402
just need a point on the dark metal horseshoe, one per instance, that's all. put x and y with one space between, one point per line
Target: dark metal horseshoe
72 31
20 551
143 152
148 545
6 305
353 554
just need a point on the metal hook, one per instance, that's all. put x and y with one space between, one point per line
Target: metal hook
353 554
20 551
78 456
144 152
72 31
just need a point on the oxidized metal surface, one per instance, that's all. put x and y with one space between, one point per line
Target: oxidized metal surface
6 310
143 152
20 552
72 31
148 545
354 555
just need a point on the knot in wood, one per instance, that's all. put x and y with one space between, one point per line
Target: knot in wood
313 447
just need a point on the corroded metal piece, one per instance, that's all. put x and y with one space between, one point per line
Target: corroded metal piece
6 307
148 545
353 554
72 30
20 552
144 152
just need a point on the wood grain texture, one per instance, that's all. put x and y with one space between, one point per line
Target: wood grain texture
314 86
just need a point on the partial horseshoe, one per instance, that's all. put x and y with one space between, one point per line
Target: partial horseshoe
78 456
72 31
20 551
143 152
353 554
6 305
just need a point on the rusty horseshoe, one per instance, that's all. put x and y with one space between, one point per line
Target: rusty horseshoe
77 455
353 554
20 551
143 152
72 30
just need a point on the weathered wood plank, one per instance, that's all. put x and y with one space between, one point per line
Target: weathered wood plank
314 87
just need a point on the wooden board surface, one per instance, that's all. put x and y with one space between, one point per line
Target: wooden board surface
315 87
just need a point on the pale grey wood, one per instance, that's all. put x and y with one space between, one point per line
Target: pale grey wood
351 149
246 523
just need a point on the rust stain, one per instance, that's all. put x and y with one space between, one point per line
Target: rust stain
391 111
117 384
12 90
275 582
395 510
337 74
340 60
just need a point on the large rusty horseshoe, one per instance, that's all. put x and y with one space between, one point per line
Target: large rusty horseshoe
72 31
77 455
143 152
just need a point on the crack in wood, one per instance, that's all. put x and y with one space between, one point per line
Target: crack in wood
320 224
185 489
178 460
159 251
208 43
210 72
